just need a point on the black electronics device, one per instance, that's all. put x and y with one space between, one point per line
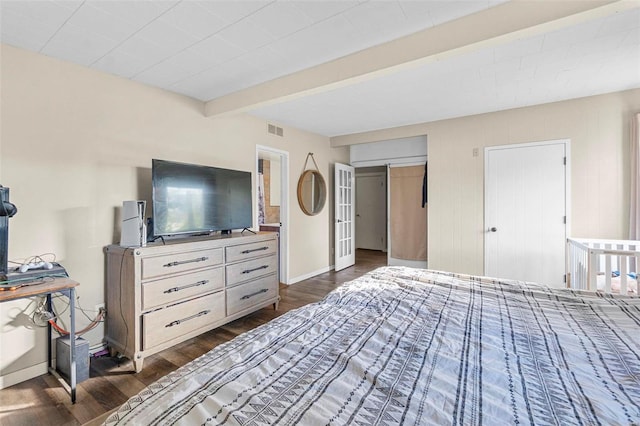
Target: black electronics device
193 199
7 210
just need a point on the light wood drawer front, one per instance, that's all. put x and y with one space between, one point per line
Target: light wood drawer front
180 262
250 269
246 295
167 324
170 290
249 251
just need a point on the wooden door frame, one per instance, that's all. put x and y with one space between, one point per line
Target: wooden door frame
382 174
567 186
284 206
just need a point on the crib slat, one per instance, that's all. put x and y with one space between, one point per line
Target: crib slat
623 274
592 280
607 271
584 283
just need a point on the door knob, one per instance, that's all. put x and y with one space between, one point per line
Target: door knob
493 229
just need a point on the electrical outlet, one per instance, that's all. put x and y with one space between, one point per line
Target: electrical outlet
99 306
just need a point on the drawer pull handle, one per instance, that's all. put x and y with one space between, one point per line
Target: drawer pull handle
256 249
173 289
182 262
177 322
248 296
248 271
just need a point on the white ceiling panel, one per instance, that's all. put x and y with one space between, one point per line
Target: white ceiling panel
319 11
445 11
217 49
233 11
172 40
280 19
621 21
519 48
174 69
148 52
48 13
193 19
121 63
138 13
319 43
215 81
379 18
24 31
211 48
76 45
269 62
247 35
91 19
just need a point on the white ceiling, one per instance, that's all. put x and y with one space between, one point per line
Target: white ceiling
209 49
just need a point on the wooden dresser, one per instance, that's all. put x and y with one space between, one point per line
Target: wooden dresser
163 294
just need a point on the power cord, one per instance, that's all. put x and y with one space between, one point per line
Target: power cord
36 258
41 317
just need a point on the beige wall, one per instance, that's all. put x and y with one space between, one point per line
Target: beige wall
598 128
77 142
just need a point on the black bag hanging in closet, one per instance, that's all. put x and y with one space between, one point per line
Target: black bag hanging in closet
424 186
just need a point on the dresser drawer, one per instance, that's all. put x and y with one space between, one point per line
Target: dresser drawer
244 296
249 251
180 262
170 290
175 321
245 271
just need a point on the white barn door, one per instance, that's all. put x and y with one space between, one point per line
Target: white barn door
526 211
345 242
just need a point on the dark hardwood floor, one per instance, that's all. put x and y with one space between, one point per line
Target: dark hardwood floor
42 400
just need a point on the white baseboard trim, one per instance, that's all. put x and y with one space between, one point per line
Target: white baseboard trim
309 275
23 375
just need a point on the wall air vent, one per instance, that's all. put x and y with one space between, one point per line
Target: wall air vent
275 130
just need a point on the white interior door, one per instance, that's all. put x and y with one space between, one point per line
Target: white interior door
525 212
344 192
371 209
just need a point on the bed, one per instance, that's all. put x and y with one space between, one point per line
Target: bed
412 346
609 266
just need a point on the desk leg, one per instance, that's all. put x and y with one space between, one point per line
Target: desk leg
72 343
49 358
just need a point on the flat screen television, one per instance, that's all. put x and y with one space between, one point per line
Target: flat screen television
194 199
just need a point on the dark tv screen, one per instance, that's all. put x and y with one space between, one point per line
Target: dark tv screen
192 199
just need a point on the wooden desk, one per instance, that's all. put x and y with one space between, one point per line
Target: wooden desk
47 287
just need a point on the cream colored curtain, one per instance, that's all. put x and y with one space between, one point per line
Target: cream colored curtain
634 213
408 218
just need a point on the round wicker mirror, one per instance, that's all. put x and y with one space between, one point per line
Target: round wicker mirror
312 192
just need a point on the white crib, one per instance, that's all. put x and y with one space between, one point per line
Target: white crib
605 265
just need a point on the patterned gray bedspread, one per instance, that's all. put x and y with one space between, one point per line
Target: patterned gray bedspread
410 346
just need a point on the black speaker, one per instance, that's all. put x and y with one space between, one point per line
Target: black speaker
7 210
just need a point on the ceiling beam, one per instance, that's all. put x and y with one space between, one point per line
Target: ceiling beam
493 26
